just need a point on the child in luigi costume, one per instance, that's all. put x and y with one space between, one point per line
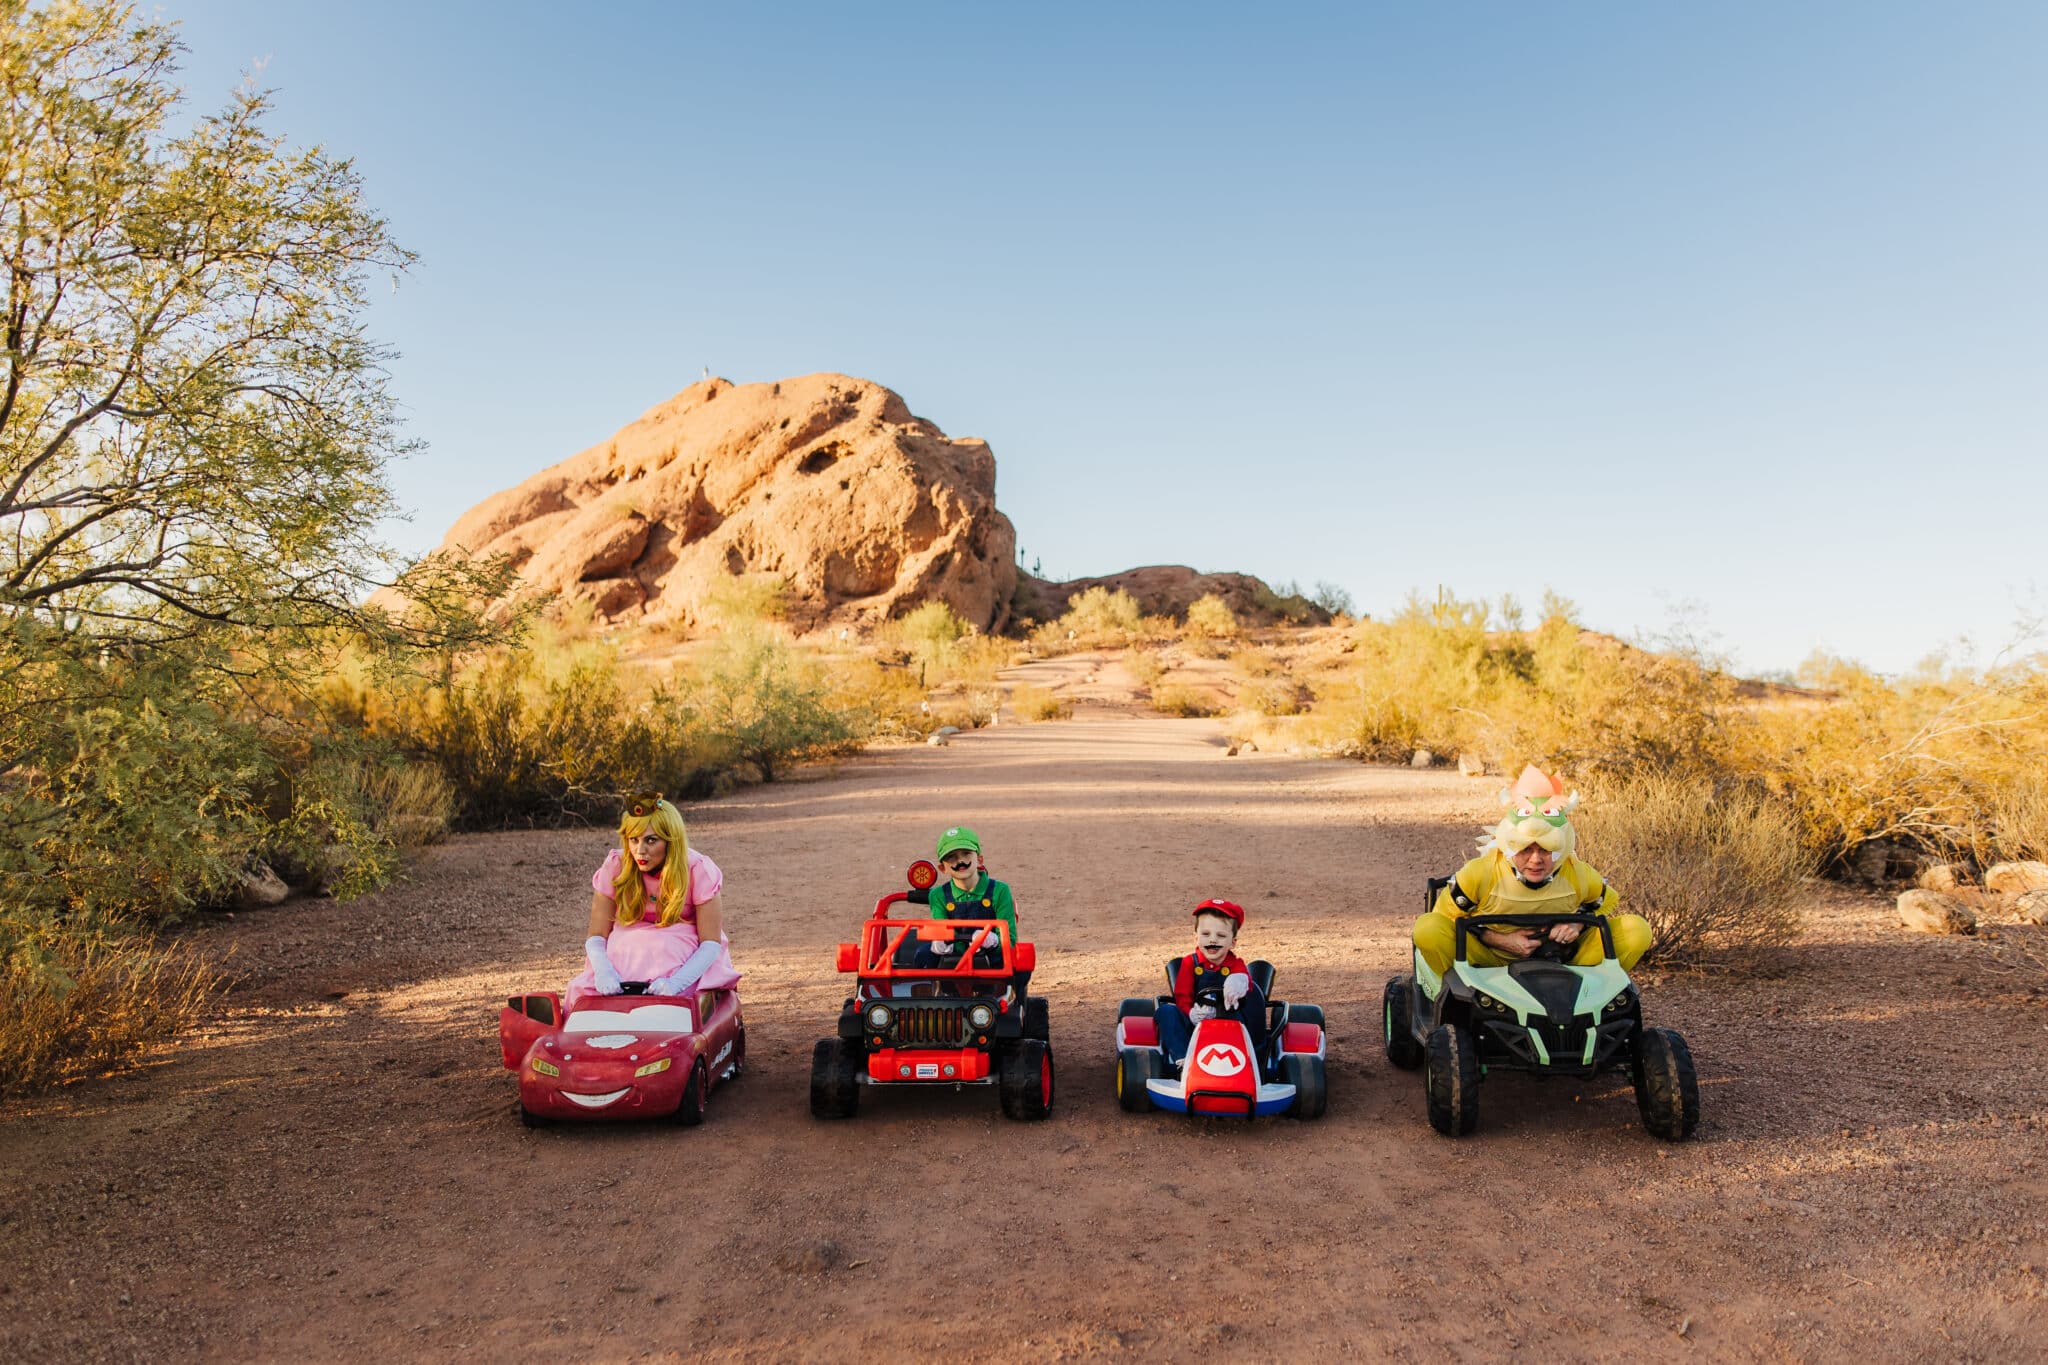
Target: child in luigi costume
966 891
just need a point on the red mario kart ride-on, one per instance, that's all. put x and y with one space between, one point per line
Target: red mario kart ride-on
1224 1074
929 1018
628 1056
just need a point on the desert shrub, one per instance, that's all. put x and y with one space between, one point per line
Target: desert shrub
760 702
79 1004
1039 703
1145 667
1287 602
1099 613
739 600
1274 697
1333 599
1176 699
1211 616
1717 873
1254 663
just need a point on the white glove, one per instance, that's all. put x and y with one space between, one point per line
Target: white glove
1201 1013
601 969
683 978
1234 987
946 948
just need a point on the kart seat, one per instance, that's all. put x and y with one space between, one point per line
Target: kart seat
1436 885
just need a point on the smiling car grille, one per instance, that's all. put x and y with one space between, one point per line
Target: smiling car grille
941 1025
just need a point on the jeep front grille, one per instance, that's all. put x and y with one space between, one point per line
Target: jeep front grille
931 1025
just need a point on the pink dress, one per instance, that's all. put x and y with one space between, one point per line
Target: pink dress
645 951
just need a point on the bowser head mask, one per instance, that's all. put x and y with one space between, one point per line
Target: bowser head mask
1539 812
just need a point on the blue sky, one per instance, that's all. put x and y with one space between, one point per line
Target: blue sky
1727 314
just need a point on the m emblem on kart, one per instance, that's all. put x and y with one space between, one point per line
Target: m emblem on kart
1219 1059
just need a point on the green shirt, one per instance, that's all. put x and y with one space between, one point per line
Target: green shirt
989 899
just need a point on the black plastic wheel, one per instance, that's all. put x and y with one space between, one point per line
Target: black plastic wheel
1136 1007
835 1094
1306 1075
1450 1080
1037 1018
528 1117
1667 1088
690 1112
1398 1024
1026 1080
737 1067
1305 1014
1134 1067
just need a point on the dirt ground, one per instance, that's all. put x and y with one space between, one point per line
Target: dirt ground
332 1170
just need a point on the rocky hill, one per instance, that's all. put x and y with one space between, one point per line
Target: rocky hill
828 481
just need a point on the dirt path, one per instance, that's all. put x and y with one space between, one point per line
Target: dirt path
333 1171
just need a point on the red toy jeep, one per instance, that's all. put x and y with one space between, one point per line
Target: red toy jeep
913 1020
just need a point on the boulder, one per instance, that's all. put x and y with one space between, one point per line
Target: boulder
1943 877
827 481
2012 878
2031 907
1930 912
1422 758
260 887
1471 765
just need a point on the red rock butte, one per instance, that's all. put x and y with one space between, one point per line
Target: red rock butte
865 509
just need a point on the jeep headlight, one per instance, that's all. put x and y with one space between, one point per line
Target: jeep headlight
1487 1002
878 1017
1617 1005
652 1068
981 1016
546 1068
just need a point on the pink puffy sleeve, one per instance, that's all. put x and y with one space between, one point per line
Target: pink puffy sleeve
706 880
607 875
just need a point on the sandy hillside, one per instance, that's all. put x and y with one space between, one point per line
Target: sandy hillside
332 1170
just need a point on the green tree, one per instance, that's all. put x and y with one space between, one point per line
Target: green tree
194 435
194 425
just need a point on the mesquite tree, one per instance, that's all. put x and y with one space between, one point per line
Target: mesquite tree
194 433
194 426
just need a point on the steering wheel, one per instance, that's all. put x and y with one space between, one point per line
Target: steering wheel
1212 996
633 987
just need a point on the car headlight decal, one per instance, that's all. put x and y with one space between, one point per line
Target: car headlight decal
653 1068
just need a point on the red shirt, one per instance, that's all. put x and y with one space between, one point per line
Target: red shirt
1195 973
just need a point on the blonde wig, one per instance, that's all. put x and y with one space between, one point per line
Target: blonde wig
646 813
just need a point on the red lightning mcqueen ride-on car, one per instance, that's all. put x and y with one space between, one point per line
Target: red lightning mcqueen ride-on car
954 1024
1223 1075
630 1056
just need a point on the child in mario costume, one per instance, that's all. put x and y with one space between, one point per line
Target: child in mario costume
966 891
1213 966
1526 867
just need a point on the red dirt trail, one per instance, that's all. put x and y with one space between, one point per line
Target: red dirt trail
331 1170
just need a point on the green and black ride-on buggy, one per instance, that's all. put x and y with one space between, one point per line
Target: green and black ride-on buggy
1541 1015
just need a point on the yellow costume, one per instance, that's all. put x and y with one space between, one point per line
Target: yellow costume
1538 813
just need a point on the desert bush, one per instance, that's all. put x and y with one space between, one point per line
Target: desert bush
1274 697
760 702
1254 663
739 600
1145 667
1333 599
1287 602
1209 615
77 1005
1176 699
1099 614
1717 873
1039 703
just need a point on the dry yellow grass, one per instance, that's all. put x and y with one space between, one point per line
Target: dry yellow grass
92 1004
1038 703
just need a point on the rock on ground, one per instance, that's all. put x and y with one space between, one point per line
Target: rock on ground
1930 912
2031 907
2013 878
